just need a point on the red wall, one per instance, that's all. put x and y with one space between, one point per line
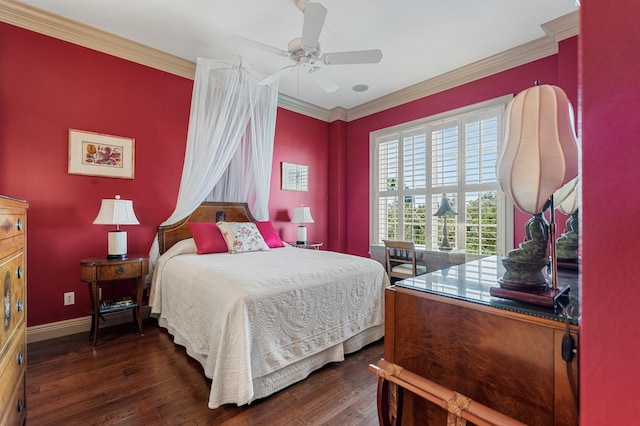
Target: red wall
300 140
49 86
610 92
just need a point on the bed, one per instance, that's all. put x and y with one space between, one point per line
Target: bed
260 321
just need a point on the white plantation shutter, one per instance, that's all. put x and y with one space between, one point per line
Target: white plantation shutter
454 154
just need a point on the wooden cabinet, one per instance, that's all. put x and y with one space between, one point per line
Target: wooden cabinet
446 327
99 269
13 284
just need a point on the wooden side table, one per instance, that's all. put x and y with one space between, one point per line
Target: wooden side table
99 269
308 245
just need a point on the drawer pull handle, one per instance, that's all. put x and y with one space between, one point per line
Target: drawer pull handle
19 271
20 405
19 224
20 358
120 270
19 305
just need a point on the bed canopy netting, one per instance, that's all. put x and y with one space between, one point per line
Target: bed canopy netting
229 149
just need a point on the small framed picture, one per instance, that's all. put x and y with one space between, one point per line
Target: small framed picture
96 154
295 177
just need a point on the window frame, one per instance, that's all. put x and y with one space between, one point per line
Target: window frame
505 206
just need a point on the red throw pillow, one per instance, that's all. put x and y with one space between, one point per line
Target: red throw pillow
208 237
269 234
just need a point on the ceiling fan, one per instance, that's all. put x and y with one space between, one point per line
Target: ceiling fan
305 51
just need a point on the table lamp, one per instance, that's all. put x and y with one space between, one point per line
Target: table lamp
539 156
443 211
302 215
116 212
567 201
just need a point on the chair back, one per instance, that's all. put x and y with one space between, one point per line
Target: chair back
401 260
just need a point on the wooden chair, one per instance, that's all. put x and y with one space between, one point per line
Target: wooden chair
401 260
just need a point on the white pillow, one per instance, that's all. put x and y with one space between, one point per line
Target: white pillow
242 237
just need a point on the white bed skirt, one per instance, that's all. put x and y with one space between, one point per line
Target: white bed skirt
278 380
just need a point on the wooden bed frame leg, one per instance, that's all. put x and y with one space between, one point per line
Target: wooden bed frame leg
390 398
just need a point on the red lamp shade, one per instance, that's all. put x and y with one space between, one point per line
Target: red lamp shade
540 152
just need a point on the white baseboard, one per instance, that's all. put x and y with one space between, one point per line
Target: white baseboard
38 333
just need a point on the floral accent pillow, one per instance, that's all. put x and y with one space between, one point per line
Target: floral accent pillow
242 237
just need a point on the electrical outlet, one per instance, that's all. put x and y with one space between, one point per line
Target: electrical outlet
69 298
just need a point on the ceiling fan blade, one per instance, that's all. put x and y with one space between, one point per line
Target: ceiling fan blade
259 45
278 75
353 57
314 15
323 79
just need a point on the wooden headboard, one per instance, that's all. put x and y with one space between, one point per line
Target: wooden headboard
208 211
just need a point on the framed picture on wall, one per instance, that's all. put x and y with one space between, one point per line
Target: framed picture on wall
96 154
295 177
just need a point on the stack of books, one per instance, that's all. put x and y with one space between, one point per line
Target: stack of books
112 304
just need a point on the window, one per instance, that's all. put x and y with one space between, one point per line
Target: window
454 153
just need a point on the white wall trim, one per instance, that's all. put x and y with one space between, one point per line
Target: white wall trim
31 18
46 23
52 330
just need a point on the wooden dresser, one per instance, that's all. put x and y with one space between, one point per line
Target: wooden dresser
13 331
446 327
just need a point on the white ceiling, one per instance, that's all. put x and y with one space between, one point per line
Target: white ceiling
420 39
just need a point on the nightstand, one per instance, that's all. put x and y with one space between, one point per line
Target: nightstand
308 245
98 269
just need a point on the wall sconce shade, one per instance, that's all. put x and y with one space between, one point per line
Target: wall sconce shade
302 215
540 151
116 212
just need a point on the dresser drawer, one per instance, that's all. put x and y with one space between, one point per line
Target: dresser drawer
12 290
11 225
116 272
15 410
12 370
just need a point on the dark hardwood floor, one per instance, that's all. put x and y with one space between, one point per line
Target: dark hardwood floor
128 379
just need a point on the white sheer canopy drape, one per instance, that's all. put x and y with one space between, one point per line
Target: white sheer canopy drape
229 150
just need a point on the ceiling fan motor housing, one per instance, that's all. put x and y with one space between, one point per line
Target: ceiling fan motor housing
298 53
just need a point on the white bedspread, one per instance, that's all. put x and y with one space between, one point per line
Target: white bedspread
260 321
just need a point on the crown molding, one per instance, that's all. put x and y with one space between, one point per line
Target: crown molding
563 27
46 23
338 113
558 29
52 25
301 107
511 58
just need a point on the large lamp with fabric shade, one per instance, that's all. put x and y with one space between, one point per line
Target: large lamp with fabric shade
116 212
539 156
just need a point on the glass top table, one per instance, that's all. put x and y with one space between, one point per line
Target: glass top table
471 282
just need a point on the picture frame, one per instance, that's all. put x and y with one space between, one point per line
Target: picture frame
97 154
295 177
